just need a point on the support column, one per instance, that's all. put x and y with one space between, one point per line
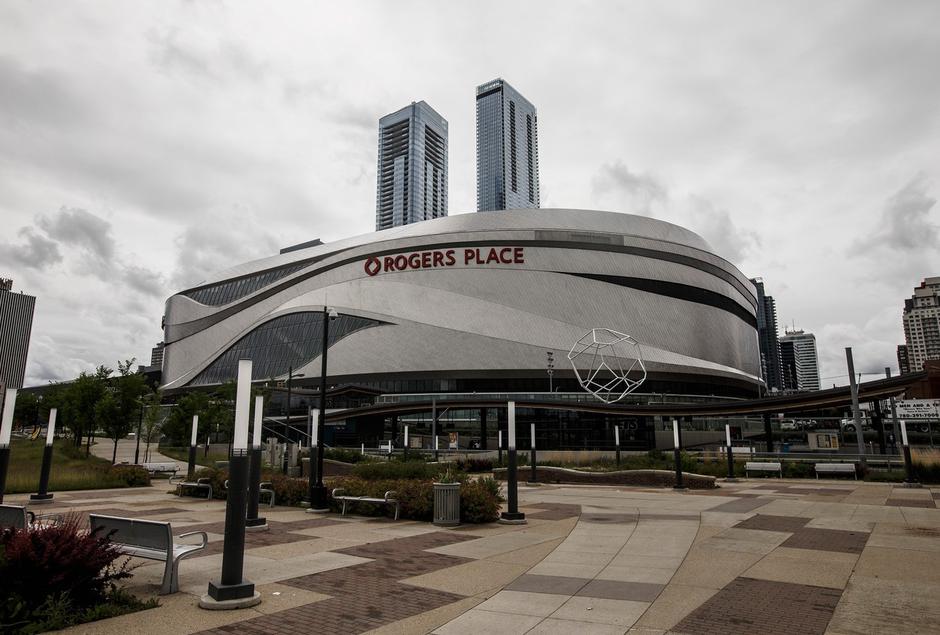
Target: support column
768 432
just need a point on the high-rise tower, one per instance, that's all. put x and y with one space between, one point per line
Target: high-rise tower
16 323
412 169
922 324
768 338
800 360
507 149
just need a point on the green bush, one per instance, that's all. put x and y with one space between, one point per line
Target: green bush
926 472
130 475
885 476
346 456
475 465
478 504
793 469
288 490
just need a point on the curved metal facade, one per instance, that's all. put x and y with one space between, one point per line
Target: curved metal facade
483 295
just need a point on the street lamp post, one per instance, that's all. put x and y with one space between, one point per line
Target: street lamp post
6 428
512 516
252 521
318 495
551 368
232 591
140 422
43 496
287 429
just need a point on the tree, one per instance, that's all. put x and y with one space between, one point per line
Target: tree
126 390
26 411
178 425
154 419
77 402
108 417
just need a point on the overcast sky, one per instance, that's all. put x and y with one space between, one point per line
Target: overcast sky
144 145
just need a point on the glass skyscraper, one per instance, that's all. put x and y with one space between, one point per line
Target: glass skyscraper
412 169
507 149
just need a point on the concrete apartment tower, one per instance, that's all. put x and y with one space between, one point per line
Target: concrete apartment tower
16 324
800 360
767 335
507 149
922 324
412 167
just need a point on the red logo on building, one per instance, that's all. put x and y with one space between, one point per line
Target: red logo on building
445 258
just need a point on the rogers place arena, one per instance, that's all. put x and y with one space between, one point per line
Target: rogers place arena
472 303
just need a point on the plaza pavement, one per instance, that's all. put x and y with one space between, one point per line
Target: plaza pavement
758 556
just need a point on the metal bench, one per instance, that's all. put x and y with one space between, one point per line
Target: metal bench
18 517
149 539
388 500
199 483
264 487
763 466
836 468
161 468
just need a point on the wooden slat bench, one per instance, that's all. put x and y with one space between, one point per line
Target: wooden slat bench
836 468
149 539
388 500
763 466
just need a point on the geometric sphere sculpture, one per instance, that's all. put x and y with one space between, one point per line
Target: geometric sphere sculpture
603 360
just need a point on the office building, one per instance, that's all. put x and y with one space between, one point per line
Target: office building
904 360
772 369
156 355
16 323
412 167
507 149
922 324
799 360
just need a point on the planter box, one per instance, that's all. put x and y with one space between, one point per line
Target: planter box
447 504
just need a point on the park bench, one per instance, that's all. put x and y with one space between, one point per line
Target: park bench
264 487
161 468
18 517
763 466
388 500
199 483
836 468
150 539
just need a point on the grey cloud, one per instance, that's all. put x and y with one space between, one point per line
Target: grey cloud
78 227
616 184
172 51
216 244
36 250
31 95
716 226
143 280
905 221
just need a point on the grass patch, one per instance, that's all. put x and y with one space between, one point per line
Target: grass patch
71 469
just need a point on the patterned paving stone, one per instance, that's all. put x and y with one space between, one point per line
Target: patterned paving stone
741 505
912 502
747 606
614 590
827 540
556 511
774 523
555 584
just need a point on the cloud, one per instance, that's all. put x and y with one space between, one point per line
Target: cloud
217 243
905 223
718 229
36 250
78 227
626 191
144 281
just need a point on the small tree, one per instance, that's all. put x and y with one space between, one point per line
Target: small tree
108 418
153 419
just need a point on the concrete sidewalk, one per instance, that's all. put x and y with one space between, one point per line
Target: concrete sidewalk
126 448
762 556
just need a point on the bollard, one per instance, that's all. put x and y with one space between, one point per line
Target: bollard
617 443
499 446
43 496
535 477
191 469
730 451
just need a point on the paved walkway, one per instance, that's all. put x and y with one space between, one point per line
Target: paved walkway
125 452
763 556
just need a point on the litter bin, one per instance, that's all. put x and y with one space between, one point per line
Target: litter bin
447 504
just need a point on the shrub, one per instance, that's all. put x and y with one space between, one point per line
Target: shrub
346 456
475 465
793 469
477 502
130 475
51 574
288 490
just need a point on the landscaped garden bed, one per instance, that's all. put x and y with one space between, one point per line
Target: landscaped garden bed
71 469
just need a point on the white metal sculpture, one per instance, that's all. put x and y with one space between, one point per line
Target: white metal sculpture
604 360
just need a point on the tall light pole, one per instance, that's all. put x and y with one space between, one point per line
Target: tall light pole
290 376
318 497
140 421
551 368
43 496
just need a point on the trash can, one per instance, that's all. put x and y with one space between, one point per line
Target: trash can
447 504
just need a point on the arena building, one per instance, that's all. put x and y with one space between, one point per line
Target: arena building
473 303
